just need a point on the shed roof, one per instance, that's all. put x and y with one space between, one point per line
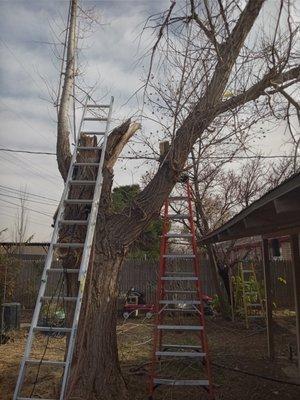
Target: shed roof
275 213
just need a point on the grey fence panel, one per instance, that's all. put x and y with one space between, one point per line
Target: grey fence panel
142 275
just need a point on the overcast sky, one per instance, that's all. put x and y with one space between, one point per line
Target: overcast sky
28 118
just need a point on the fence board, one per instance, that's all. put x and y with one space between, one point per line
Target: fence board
142 275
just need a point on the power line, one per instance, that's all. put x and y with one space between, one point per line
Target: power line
27 208
31 201
32 221
27 193
29 166
155 159
28 152
21 64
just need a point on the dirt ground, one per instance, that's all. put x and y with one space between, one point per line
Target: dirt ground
233 349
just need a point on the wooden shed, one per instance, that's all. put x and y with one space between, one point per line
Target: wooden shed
275 214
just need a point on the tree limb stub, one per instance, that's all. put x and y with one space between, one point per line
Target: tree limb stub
117 141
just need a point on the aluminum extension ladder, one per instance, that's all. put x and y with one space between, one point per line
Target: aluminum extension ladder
172 293
252 301
91 113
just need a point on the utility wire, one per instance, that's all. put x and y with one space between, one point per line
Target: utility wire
9 188
27 208
31 201
155 159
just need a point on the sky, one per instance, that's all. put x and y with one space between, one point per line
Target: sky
28 67
110 57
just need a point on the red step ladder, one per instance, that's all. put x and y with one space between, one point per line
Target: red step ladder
173 289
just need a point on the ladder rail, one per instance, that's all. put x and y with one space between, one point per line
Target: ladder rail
162 303
203 336
86 255
91 222
48 262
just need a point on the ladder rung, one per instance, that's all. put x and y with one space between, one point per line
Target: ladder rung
180 354
175 198
179 278
178 216
62 298
78 201
86 164
180 327
93 133
179 255
46 362
181 291
182 346
187 310
88 148
180 302
98 105
94 119
178 235
51 329
60 270
253 292
181 382
255 316
248 271
85 182
66 245
33 398
254 305
73 221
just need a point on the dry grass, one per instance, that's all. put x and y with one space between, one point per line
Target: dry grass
231 345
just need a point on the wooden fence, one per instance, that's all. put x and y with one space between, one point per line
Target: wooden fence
142 275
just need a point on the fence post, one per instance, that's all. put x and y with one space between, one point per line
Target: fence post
296 274
268 295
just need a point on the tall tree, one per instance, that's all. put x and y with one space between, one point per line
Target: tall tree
96 372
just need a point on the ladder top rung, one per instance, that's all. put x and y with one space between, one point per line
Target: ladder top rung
179 278
73 222
78 201
79 182
175 198
95 119
47 362
93 133
180 302
51 329
180 354
180 327
63 270
86 164
98 105
68 245
66 298
179 255
181 382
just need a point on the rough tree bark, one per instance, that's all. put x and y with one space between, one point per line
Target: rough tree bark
96 372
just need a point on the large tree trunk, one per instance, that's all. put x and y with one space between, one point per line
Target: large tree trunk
96 373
